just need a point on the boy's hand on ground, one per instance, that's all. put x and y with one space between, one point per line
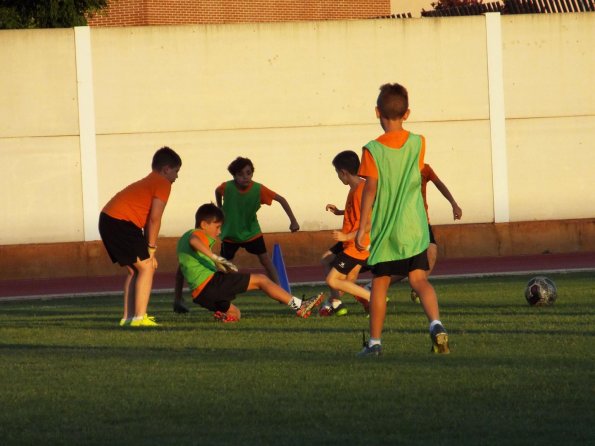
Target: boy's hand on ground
224 265
294 226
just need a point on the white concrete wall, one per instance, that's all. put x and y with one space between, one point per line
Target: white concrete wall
290 96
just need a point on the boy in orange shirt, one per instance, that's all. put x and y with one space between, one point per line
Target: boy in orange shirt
347 260
129 225
428 175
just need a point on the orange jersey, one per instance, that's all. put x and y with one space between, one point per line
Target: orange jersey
266 195
427 174
394 140
133 203
351 219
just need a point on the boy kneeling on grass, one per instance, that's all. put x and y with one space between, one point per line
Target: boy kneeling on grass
215 281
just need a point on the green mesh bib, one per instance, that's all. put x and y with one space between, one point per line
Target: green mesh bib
399 223
240 211
195 266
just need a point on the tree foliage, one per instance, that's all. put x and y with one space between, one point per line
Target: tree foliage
447 4
46 13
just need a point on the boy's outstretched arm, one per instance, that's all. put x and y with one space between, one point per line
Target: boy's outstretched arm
221 263
368 197
293 224
457 212
334 209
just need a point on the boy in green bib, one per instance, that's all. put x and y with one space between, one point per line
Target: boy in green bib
399 235
214 281
240 200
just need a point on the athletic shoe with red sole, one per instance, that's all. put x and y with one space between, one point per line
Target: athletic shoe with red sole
308 304
224 317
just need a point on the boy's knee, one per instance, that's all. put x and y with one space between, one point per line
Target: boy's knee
330 281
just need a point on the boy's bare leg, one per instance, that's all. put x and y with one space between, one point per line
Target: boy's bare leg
129 292
274 291
144 282
341 282
270 269
327 258
378 305
270 288
432 256
418 280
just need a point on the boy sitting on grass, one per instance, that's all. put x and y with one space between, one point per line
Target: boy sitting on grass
214 280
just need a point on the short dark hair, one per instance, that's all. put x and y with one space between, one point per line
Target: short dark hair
165 157
208 212
238 164
393 101
347 160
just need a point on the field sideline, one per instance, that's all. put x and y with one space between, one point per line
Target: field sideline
517 375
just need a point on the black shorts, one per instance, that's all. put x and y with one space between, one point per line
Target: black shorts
336 248
255 246
432 239
123 240
221 290
344 263
402 267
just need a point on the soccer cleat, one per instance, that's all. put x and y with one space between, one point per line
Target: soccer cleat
224 317
308 304
414 297
439 338
146 321
180 308
124 322
369 352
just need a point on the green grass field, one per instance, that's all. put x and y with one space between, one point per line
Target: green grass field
516 376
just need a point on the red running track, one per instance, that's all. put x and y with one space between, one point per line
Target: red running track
480 266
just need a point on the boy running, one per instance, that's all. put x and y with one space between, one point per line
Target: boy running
214 280
399 233
347 260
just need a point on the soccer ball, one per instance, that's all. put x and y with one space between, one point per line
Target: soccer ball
541 291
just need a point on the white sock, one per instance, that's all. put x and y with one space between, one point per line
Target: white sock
374 341
434 323
335 303
295 303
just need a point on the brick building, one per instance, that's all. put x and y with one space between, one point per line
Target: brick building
175 12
